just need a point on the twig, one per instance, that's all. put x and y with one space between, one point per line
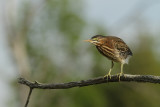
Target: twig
28 98
94 81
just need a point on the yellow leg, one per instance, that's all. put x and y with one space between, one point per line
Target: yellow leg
121 73
109 73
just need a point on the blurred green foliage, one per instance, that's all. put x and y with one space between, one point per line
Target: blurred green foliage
57 54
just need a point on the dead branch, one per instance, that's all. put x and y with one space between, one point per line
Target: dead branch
94 81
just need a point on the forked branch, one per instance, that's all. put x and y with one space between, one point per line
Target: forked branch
94 81
99 80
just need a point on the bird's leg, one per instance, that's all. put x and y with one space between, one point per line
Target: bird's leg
121 73
109 73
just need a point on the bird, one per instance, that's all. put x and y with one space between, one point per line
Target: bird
114 48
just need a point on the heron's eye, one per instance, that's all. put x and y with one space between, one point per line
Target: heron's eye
96 39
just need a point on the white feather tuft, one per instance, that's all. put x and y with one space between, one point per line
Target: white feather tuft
126 61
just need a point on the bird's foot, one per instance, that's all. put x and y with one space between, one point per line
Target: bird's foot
107 76
119 75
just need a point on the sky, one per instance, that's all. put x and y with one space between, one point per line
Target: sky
113 14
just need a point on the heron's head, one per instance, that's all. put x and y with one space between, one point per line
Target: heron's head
95 39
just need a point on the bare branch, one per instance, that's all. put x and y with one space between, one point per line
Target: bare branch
28 98
99 80
94 81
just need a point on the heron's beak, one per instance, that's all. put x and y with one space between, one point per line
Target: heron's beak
88 40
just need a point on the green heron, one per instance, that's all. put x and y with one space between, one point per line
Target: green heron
114 49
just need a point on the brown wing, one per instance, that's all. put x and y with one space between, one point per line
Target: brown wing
122 47
112 47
